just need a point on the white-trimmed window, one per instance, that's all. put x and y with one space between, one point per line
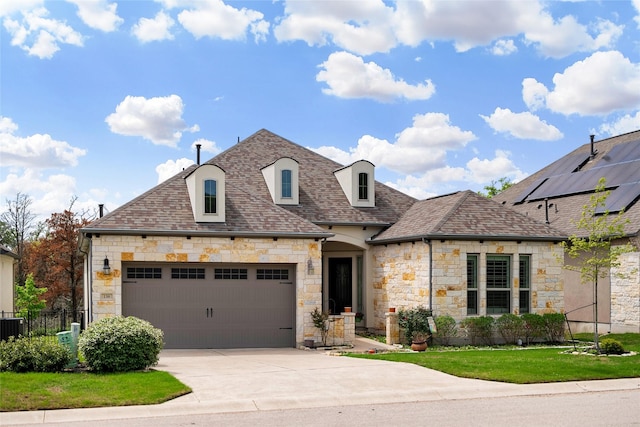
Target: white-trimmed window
472 284
525 284
210 194
206 186
281 178
286 183
358 183
498 271
363 186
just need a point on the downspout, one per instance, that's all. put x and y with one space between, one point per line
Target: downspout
428 242
88 286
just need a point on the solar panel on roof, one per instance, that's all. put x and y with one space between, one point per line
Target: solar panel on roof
567 164
621 153
530 189
620 198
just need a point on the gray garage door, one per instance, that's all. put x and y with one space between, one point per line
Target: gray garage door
213 306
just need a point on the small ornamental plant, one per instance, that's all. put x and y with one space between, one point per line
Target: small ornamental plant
120 344
37 354
415 323
320 319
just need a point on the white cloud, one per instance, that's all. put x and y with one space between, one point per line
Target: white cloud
534 93
636 4
504 48
416 149
625 124
40 36
213 18
484 171
98 14
601 84
522 125
431 183
158 28
49 193
169 168
35 151
206 146
363 27
158 120
9 7
348 76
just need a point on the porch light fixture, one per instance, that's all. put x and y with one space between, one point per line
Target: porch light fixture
105 267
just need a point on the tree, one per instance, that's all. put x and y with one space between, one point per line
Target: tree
493 189
18 226
595 249
56 261
28 300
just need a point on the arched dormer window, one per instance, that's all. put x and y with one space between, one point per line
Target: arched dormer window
281 178
358 183
206 186
285 184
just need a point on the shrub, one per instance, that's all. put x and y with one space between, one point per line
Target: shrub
611 346
118 344
510 327
39 354
533 327
415 323
554 324
445 329
479 328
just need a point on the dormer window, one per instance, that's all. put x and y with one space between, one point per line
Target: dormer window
286 183
206 186
210 205
363 186
281 178
357 181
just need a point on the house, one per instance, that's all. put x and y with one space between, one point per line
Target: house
239 251
557 193
8 260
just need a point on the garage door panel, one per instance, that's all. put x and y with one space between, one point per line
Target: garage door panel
215 313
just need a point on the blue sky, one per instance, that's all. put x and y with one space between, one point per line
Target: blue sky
101 99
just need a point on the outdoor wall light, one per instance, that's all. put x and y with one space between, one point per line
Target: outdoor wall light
105 267
310 269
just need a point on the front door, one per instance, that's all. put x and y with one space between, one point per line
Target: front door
340 289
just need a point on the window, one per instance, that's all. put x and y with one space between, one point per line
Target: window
187 273
525 284
286 183
144 273
273 274
498 284
363 186
210 196
230 273
472 284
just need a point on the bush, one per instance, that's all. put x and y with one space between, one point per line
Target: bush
533 327
415 323
611 346
554 324
40 354
445 329
118 344
479 328
510 327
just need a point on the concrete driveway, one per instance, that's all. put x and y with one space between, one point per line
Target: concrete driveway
267 379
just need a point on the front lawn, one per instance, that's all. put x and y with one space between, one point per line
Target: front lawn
35 391
525 365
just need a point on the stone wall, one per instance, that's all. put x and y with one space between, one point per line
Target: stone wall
625 294
403 277
106 290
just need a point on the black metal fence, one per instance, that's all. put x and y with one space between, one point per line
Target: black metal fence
46 322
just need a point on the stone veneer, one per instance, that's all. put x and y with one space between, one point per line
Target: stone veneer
402 276
625 294
106 290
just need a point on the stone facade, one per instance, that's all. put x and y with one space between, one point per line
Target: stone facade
306 254
404 271
625 294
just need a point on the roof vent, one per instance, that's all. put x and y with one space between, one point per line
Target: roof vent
198 146
593 151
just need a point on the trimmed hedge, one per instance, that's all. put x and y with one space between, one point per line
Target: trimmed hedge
119 344
36 354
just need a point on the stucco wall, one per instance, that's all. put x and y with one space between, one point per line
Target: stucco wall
6 283
106 290
402 276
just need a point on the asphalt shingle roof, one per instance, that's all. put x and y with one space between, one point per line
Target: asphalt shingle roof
166 208
466 215
566 209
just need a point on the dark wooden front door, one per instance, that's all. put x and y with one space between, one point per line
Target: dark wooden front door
340 285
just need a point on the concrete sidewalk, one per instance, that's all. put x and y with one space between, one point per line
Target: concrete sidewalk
267 379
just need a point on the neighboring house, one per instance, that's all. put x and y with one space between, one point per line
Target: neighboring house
238 251
557 194
8 260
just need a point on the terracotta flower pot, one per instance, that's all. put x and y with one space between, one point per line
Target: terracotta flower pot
419 345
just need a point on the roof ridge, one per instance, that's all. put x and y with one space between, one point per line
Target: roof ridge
446 217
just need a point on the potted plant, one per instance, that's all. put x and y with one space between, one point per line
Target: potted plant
359 317
415 324
320 321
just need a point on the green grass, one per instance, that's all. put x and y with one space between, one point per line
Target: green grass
35 391
525 365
